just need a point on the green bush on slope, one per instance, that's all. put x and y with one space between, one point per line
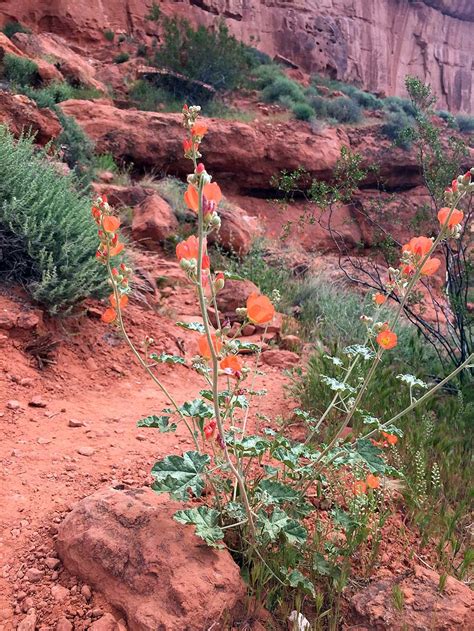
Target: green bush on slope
47 236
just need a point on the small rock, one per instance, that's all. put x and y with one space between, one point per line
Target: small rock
86 451
33 575
27 320
64 625
52 563
59 593
43 441
91 363
73 422
141 437
28 623
13 404
106 623
26 382
86 592
291 343
37 402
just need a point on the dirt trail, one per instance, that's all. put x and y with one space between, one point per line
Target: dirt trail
94 384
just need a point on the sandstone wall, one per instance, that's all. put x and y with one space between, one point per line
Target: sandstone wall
373 43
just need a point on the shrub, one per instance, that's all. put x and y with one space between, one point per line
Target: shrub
109 35
302 111
142 50
397 127
121 58
344 110
266 74
149 97
465 123
283 87
78 148
19 69
448 118
367 100
47 226
396 104
13 27
58 92
155 13
213 57
105 162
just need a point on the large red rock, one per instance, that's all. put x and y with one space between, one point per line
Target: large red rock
238 230
22 114
234 295
247 155
126 544
347 39
153 221
424 606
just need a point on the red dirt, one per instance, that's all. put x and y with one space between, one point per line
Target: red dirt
94 380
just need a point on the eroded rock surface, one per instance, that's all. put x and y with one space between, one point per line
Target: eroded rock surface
126 544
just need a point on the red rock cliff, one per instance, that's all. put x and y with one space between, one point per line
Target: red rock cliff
373 43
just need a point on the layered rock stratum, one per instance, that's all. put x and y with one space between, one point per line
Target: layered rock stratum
373 43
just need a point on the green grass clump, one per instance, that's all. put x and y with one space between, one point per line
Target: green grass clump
57 92
48 237
344 110
121 58
150 98
397 128
19 70
13 27
465 123
302 111
266 74
109 35
283 87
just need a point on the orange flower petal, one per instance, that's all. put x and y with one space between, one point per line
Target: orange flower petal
116 249
123 302
419 246
454 220
109 315
430 267
204 348
110 223
379 298
372 481
212 192
231 364
387 339
360 487
259 309
191 198
199 129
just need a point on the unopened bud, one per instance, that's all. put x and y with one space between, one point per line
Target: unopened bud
241 311
200 168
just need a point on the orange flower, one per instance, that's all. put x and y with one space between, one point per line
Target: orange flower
419 246
372 481
456 217
109 315
209 429
199 129
259 309
231 365
110 223
211 193
123 302
360 487
430 267
379 299
390 438
116 249
189 249
387 339
204 348
189 145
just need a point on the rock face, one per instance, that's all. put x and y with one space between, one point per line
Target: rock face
126 544
373 43
424 607
153 221
22 114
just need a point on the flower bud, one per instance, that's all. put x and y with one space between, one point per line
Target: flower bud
200 168
241 311
219 282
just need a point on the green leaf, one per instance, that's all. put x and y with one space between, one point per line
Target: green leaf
250 347
164 358
160 422
233 275
298 580
192 326
342 519
236 511
358 349
205 520
322 566
276 492
237 401
335 385
197 409
278 523
179 474
248 446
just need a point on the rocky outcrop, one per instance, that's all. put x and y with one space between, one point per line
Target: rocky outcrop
126 544
153 221
22 115
373 43
420 605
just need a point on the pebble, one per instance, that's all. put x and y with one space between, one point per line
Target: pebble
73 422
27 604
36 402
28 623
26 382
141 437
13 404
64 625
43 441
86 592
85 451
34 575
59 593
52 563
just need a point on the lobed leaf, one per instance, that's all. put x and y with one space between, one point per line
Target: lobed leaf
178 475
